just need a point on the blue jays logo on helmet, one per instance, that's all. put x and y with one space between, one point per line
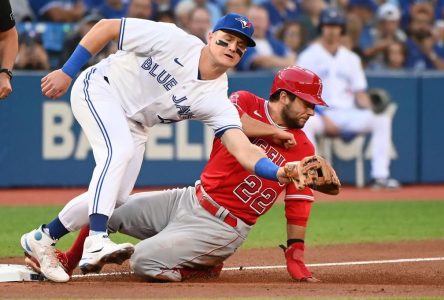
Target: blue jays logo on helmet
245 23
237 24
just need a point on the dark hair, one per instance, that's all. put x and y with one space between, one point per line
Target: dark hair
164 13
275 96
280 33
386 52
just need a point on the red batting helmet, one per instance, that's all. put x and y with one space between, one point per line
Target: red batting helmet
300 82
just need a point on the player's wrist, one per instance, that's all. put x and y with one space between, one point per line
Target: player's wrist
265 168
78 59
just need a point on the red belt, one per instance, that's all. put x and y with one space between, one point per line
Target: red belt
213 208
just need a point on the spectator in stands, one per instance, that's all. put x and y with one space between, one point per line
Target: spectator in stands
58 11
420 44
411 7
394 57
113 9
184 7
438 34
280 11
199 23
162 6
214 9
386 32
344 88
8 47
140 9
182 13
237 6
32 55
350 39
166 16
311 11
292 34
364 10
269 53
22 11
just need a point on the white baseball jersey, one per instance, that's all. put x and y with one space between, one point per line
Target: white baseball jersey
342 74
155 74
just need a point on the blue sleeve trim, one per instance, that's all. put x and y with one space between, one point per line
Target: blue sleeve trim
121 34
219 132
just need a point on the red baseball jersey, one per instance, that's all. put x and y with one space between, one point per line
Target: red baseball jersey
246 195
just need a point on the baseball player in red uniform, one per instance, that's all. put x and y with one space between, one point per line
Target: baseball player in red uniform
160 74
191 231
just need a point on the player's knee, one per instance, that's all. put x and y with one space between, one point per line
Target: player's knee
123 153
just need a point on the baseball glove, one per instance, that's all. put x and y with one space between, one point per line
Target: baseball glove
314 172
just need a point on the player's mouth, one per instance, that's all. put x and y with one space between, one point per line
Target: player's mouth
230 56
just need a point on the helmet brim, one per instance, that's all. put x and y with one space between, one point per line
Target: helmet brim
317 100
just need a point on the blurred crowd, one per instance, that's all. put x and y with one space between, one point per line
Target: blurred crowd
387 35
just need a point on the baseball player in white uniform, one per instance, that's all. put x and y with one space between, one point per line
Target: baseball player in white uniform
345 85
160 74
189 232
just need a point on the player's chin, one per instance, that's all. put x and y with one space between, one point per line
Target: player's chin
230 60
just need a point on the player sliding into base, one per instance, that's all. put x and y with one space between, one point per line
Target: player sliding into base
160 74
189 232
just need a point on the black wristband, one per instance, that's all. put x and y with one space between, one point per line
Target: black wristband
7 71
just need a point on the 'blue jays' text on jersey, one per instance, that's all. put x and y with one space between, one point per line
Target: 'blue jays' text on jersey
155 76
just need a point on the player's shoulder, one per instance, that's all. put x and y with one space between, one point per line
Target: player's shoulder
311 50
164 28
245 96
242 94
349 54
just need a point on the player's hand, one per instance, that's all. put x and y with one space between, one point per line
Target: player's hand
5 86
284 139
55 84
284 175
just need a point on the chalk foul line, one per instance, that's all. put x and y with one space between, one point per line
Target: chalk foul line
333 264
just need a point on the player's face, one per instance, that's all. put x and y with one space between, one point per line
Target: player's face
331 33
296 113
226 48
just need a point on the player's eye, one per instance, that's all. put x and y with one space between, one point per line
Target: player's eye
240 50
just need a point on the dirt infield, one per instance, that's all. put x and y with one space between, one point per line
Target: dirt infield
412 279
389 279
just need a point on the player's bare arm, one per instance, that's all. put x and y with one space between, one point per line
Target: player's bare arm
56 83
250 156
255 128
9 49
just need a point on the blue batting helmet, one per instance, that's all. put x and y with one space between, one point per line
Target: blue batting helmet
332 16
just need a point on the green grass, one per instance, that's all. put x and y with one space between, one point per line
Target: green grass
348 222
330 223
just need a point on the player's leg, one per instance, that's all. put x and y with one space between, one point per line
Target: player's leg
194 243
297 213
379 125
104 122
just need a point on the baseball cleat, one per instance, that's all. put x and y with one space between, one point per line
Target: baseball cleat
42 247
100 250
33 263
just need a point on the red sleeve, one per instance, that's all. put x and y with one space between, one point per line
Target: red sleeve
244 101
